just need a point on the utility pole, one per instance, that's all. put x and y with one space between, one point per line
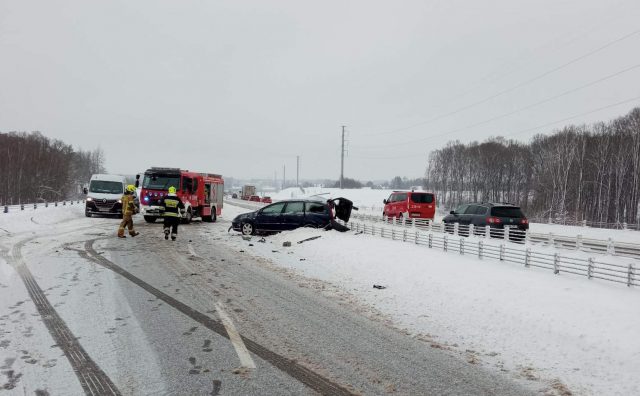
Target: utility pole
342 159
297 171
284 177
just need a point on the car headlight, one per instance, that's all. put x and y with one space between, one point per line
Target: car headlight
89 199
119 201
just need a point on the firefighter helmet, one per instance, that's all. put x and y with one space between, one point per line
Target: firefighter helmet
172 190
131 188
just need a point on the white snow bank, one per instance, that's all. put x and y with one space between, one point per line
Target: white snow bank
527 321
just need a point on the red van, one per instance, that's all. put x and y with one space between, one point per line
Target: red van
410 204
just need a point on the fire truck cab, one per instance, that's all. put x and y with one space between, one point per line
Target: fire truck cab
201 193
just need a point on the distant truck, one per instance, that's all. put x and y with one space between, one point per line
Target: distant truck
248 191
104 195
201 193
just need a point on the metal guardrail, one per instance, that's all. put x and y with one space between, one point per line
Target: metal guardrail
34 206
518 254
600 246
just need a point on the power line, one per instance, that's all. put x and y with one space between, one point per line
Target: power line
637 98
519 85
527 107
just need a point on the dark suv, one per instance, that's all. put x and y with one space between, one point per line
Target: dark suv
495 215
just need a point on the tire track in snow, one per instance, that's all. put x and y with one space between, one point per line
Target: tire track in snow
309 378
93 380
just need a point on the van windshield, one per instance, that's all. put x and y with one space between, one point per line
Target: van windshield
105 187
161 182
421 198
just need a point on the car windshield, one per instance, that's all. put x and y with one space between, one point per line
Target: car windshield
160 182
422 198
506 211
105 187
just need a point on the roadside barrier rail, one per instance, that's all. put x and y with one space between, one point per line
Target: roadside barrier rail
578 242
34 206
591 268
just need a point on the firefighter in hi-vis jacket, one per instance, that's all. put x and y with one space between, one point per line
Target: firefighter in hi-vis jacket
172 213
128 210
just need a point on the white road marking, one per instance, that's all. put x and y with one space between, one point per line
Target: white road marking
193 252
236 340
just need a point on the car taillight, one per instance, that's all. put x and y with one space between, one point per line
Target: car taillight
524 221
494 220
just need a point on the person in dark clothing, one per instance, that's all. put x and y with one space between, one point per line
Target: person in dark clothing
172 214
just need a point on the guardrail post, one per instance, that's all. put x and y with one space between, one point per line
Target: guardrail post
472 230
551 241
404 222
462 246
579 242
630 275
429 225
584 223
6 209
480 248
502 252
430 240
393 222
444 243
21 206
393 234
527 256
456 227
506 234
624 225
527 237
55 204
589 267
71 202
404 235
35 206
413 223
416 238
46 204
556 262
611 249
487 231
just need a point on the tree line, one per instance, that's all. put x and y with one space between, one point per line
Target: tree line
34 168
586 172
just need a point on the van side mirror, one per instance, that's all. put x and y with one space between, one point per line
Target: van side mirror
85 191
452 212
137 184
384 201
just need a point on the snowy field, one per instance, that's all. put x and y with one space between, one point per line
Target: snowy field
556 329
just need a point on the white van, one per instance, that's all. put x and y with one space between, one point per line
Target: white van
104 195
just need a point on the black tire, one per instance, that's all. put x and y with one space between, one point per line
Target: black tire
87 214
214 215
187 220
247 229
150 219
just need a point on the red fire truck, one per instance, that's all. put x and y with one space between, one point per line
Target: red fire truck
201 193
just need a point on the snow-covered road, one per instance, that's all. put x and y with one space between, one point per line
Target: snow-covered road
83 312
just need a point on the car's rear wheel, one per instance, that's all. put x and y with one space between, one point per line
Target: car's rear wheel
247 229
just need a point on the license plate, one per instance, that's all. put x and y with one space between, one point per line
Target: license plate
103 209
511 226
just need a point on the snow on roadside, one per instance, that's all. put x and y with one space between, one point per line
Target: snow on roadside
527 321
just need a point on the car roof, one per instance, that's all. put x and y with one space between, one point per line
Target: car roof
302 200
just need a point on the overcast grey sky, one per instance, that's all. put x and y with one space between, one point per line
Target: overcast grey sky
242 87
